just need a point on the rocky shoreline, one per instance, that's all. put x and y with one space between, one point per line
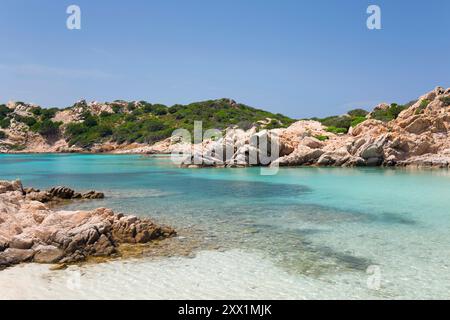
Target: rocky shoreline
30 231
417 137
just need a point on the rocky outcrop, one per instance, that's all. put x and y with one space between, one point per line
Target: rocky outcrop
57 194
32 232
419 136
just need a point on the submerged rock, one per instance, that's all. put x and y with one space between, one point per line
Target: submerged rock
31 232
60 193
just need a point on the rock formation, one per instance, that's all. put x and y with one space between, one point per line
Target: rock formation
31 232
419 136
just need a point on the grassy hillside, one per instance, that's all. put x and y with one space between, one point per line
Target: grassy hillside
142 121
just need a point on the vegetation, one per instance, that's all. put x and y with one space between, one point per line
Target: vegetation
144 122
341 124
336 130
357 120
423 105
148 123
321 137
4 120
29 121
46 128
2 134
4 123
389 113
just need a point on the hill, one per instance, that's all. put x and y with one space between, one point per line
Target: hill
86 126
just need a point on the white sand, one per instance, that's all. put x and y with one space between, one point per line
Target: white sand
210 275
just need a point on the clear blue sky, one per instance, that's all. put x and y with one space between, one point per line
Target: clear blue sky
300 58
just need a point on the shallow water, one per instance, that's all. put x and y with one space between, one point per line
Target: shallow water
303 233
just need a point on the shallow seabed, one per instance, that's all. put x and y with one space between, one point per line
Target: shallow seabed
311 233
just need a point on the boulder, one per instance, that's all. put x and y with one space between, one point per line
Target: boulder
31 231
13 256
47 254
61 192
419 125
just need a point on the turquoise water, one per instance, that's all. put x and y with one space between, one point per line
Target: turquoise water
326 224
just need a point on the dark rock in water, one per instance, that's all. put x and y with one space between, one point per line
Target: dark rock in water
92 195
61 192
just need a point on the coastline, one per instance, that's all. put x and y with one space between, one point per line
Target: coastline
33 230
294 226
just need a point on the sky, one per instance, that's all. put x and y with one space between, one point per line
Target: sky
296 57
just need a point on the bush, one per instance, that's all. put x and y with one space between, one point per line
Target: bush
337 130
47 128
358 120
423 105
388 114
47 114
153 125
75 129
90 121
104 130
2 134
131 106
29 121
396 109
4 123
321 137
36 111
116 108
4 111
337 122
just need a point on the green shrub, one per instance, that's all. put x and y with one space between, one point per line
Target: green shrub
2 134
74 129
90 121
423 105
337 121
46 128
357 120
153 125
149 122
388 114
5 123
17 147
4 111
29 121
104 130
321 137
336 130
131 106
396 109
36 111
47 114
116 108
